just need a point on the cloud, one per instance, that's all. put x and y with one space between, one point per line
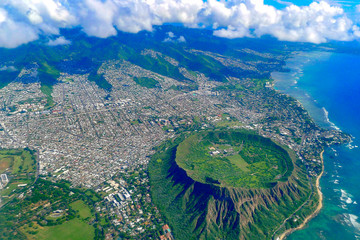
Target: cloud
170 34
23 21
8 68
47 16
316 23
59 41
171 37
181 39
14 33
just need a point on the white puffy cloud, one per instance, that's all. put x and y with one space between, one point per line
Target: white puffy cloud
103 18
22 21
59 41
47 16
14 33
317 23
171 37
96 17
8 68
181 39
176 11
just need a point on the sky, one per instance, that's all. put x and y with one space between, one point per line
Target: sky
23 21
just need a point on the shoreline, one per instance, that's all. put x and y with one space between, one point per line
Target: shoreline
285 234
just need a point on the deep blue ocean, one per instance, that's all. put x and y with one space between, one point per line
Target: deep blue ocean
328 85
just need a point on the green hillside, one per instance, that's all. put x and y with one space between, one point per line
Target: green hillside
215 208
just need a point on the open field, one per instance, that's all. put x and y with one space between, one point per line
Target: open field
19 161
5 163
20 167
74 229
83 209
51 211
147 82
238 161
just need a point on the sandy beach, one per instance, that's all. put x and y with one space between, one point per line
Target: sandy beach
308 218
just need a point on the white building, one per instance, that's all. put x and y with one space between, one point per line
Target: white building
4 178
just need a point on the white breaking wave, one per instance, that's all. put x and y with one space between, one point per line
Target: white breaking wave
350 146
346 197
326 115
353 220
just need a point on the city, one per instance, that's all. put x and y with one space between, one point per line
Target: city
91 135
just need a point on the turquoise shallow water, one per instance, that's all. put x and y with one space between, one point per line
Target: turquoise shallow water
328 85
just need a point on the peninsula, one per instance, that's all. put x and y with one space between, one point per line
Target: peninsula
132 135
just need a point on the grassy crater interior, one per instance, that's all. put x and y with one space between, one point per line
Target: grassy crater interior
234 159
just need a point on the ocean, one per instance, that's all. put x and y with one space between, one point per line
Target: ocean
328 86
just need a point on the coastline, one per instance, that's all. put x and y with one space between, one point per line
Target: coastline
317 210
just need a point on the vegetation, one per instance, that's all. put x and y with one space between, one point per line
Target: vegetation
209 66
51 211
40 209
47 90
80 207
147 82
234 159
196 210
20 167
48 76
78 58
185 88
48 72
31 211
158 65
7 77
100 80
135 122
74 229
